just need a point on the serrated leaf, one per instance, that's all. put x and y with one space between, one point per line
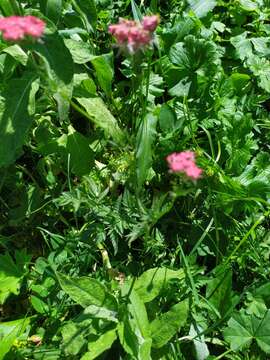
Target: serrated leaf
164 327
151 282
243 329
86 291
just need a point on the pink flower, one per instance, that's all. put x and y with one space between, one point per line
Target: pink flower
15 28
133 35
150 23
184 162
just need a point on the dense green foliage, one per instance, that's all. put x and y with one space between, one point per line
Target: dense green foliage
104 253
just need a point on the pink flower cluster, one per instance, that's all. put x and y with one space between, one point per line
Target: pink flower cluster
134 35
184 162
15 28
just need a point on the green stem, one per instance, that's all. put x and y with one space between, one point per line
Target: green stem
105 256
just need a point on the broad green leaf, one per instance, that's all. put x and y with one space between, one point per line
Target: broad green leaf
101 116
73 338
219 289
202 7
144 147
132 340
17 53
151 282
239 81
100 313
167 118
263 292
86 291
249 5
59 66
181 89
11 273
52 9
165 326
88 8
9 332
138 311
81 51
261 69
97 347
16 111
243 46
243 329
39 305
104 71
81 155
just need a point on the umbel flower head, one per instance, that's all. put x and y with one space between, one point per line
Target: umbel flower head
184 162
132 35
16 28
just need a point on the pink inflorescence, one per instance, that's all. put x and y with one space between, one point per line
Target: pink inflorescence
15 28
184 162
134 35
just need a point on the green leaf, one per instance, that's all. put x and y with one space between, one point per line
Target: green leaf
100 313
16 111
6 7
132 341
97 347
17 53
261 69
39 305
243 329
9 332
88 7
73 338
144 147
136 11
104 71
202 7
164 327
59 66
52 9
11 273
249 5
151 282
242 45
101 116
167 118
86 291
219 289
81 155
81 51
